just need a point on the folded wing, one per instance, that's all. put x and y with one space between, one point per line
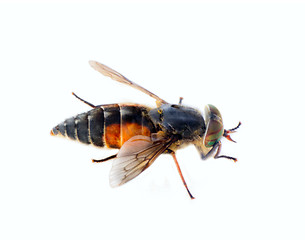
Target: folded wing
136 155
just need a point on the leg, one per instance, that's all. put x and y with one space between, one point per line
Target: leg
223 156
180 173
90 104
180 100
104 159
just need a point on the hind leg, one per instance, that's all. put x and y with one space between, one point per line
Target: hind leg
84 101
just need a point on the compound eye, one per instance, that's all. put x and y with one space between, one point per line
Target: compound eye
214 126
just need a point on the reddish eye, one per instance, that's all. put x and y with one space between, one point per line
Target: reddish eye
214 126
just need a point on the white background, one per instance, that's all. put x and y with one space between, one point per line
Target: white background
246 58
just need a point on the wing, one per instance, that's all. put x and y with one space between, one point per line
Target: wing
136 155
108 72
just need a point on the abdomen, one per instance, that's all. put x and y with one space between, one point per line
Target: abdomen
107 125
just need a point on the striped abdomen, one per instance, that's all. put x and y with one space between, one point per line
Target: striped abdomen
107 125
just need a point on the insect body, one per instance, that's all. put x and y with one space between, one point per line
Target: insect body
141 133
107 125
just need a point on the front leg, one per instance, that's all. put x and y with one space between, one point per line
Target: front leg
223 156
206 152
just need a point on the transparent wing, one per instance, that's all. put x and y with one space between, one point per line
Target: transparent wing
108 72
136 155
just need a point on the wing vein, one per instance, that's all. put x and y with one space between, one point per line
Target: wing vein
136 155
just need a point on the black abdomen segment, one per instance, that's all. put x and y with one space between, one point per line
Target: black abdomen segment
86 127
106 125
